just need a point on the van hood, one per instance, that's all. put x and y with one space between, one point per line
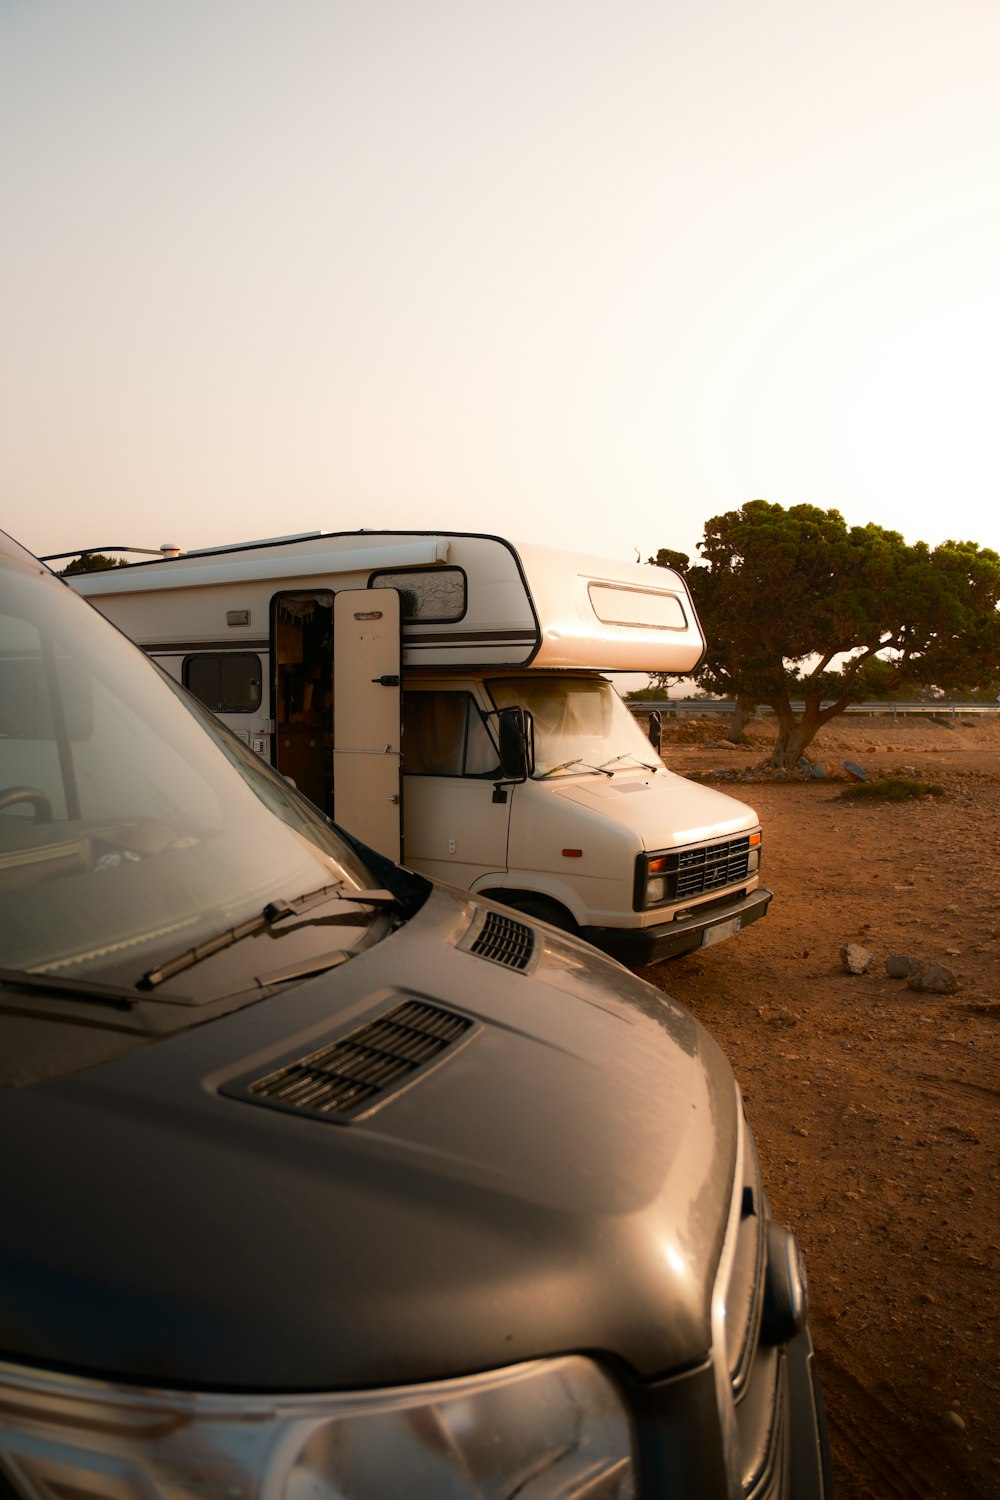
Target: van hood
661 808
558 1179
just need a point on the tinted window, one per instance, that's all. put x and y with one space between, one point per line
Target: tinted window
132 828
225 681
444 735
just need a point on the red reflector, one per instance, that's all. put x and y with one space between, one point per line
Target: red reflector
754 840
655 865
572 853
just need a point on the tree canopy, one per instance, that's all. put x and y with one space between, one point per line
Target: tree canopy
92 562
796 605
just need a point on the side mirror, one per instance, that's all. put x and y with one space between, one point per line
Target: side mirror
517 744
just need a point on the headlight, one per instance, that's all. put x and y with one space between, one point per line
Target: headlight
691 871
656 880
550 1427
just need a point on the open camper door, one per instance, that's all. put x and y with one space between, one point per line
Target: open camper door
367 715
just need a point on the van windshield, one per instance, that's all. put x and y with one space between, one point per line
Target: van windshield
580 723
132 827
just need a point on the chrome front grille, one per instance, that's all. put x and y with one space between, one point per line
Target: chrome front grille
693 872
744 1295
750 1370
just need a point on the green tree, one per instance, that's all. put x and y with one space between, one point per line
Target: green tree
92 562
797 605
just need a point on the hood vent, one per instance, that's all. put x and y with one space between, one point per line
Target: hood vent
345 1078
505 940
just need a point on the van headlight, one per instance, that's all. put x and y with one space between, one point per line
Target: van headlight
652 877
554 1426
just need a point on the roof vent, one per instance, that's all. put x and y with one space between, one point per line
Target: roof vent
347 1077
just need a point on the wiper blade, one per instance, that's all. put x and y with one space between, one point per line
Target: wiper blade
274 911
565 765
119 997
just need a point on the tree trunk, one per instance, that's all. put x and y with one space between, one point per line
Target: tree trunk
743 710
795 733
793 737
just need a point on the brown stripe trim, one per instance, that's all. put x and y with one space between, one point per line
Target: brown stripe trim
190 648
464 637
430 638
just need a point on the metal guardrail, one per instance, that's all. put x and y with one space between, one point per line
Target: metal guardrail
679 708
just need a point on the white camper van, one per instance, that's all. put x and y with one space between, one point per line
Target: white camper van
442 695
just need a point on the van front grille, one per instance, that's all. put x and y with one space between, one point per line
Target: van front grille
692 872
344 1078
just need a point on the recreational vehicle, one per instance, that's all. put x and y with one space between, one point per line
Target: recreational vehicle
444 697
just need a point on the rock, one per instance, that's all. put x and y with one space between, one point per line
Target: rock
818 772
855 771
902 966
934 980
952 1422
856 960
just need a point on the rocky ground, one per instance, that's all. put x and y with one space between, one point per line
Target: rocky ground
875 1105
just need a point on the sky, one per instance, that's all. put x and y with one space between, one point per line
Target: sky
578 273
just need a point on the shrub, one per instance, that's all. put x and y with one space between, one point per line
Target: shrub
893 789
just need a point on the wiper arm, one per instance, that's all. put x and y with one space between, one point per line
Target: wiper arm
119 997
628 755
566 764
563 765
274 911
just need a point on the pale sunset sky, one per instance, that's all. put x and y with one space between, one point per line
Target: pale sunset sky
578 272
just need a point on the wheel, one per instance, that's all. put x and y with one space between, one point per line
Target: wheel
12 795
541 908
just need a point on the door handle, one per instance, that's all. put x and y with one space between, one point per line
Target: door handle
386 680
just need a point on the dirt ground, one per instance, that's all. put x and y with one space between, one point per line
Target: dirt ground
875 1106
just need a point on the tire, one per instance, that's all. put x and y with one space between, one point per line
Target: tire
539 907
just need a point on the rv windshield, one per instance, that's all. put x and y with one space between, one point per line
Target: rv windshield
132 828
581 724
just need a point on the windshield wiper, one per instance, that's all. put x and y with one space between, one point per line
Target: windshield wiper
628 755
87 990
564 765
274 911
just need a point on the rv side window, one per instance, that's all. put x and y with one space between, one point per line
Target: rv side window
444 735
433 594
640 608
225 681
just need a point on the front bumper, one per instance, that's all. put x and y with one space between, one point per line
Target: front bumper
636 946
